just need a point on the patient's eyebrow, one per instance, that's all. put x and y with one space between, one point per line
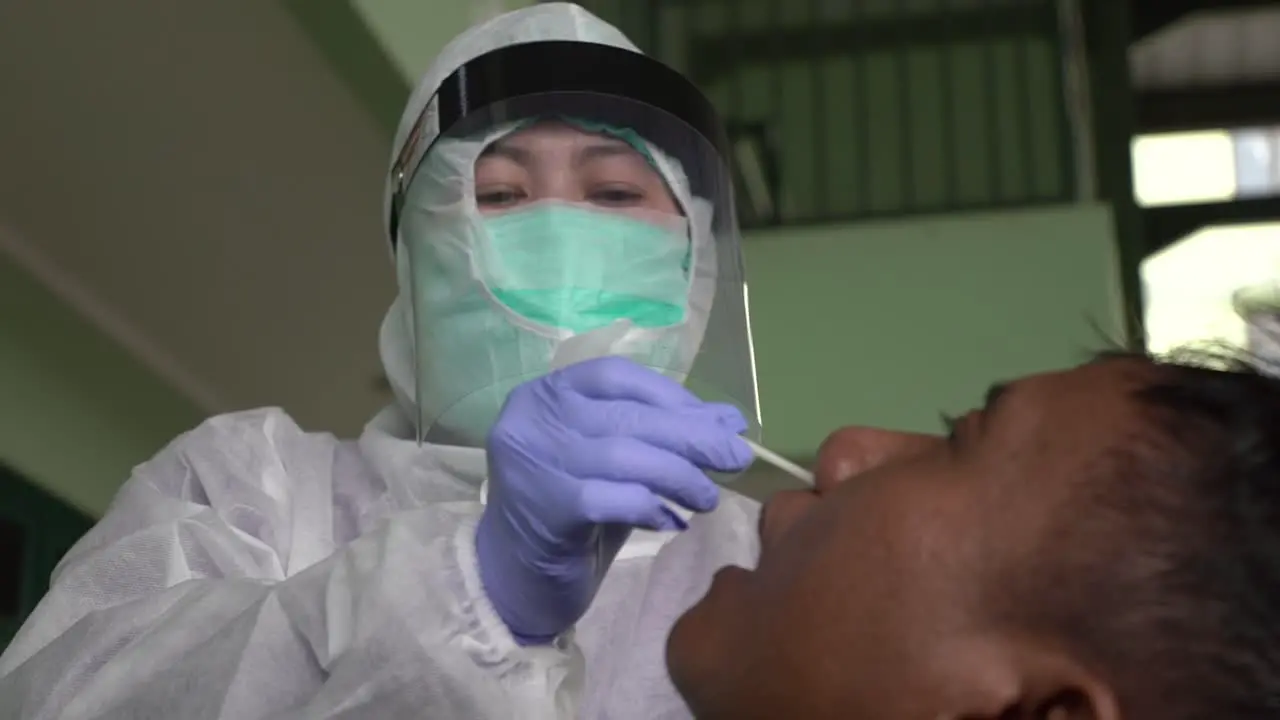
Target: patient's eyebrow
991 403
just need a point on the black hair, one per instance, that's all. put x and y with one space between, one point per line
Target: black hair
1181 546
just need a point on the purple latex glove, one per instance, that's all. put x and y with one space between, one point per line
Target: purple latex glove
576 460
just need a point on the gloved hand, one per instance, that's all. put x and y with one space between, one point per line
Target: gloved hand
577 459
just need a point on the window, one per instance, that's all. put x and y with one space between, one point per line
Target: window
1190 288
1206 166
1180 168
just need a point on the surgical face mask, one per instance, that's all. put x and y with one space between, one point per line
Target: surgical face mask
574 268
540 279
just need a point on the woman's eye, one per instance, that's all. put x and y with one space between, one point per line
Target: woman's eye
616 196
499 198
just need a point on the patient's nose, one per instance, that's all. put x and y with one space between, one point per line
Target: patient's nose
854 450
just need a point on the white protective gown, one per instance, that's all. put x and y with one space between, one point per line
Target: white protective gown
254 570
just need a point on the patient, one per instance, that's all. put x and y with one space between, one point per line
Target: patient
1096 544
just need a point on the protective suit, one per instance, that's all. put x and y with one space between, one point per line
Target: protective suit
255 570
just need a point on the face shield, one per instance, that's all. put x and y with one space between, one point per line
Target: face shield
559 201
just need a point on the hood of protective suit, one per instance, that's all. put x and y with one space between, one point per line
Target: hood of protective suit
465 375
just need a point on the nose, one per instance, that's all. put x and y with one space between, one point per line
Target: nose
854 450
847 452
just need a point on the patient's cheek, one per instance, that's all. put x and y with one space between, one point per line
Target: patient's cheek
783 511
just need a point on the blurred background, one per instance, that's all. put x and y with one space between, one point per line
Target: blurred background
937 194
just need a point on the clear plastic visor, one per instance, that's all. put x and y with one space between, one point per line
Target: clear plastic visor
553 228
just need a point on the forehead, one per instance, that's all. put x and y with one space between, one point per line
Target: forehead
1105 383
1049 424
551 137
999 494
1048 436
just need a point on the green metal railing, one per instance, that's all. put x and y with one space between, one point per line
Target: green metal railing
873 108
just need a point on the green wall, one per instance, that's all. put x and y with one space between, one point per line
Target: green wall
76 412
890 323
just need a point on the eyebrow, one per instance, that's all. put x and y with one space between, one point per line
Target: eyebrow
596 151
991 402
510 152
607 149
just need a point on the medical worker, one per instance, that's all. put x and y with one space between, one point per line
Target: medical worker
515 537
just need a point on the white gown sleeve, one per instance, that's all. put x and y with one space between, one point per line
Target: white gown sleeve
188 600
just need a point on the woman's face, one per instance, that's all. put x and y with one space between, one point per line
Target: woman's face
556 161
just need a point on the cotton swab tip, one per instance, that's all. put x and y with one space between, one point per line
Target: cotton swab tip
780 462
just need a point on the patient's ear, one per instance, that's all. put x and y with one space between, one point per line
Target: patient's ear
1004 679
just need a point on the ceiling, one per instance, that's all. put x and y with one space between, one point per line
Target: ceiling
196 179
1216 47
1205 64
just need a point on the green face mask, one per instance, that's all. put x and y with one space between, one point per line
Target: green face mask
580 269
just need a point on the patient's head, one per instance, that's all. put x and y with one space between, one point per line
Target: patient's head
1100 543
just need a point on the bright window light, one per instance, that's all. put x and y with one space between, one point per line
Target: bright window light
1179 168
1190 285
